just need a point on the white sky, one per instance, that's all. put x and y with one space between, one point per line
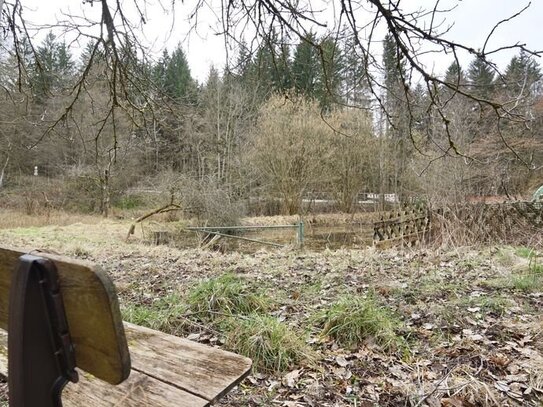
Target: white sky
472 21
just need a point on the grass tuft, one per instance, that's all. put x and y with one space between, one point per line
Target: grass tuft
223 296
166 314
352 320
524 252
527 282
271 344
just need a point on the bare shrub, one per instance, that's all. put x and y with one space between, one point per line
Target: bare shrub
208 201
476 224
288 149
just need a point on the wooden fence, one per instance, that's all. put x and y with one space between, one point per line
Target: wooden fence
406 227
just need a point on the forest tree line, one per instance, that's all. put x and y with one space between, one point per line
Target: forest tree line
281 123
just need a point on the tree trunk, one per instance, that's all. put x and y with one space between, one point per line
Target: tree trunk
106 194
2 173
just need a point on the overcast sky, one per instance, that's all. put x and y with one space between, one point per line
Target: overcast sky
472 20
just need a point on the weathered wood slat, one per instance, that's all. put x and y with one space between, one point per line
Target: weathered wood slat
199 369
139 390
92 311
167 371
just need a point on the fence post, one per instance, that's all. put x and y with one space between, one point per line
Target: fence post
301 234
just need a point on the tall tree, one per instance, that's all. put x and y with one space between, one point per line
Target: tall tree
394 67
179 84
306 66
481 79
52 67
355 86
330 73
521 74
398 111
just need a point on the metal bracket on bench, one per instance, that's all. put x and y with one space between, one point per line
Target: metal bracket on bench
40 352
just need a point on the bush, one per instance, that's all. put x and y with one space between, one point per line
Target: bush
352 320
272 345
212 203
223 296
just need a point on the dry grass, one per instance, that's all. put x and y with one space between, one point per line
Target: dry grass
11 219
321 219
490 333
95 237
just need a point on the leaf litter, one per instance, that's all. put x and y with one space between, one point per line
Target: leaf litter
473 338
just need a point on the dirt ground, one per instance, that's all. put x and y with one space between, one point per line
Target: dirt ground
470 318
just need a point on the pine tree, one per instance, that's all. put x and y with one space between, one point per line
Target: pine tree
51 71
481 79
88 52
244 63
270 70
44 66
354 76
394 81
397 126
454 75
178 82
159 71
283 76
305 66
521 75
394 67
456 78
330 73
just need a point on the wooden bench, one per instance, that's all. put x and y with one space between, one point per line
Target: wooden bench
121 364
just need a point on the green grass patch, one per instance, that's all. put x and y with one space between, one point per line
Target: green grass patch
524 252
272 345
353 319
166 315
527 282
224 296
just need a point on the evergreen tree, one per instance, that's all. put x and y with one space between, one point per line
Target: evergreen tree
305 66
330 73
395 94
394 67
354 76
481 79
244 63
159 71
178 82
397 125
52 69
283 75
44 66
263 69
88 52
521 75
64 63
454 75
271 68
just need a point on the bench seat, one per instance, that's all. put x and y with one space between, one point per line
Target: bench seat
166 371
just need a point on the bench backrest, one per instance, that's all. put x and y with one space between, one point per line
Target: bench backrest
92 312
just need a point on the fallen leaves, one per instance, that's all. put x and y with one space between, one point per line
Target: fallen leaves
469 342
